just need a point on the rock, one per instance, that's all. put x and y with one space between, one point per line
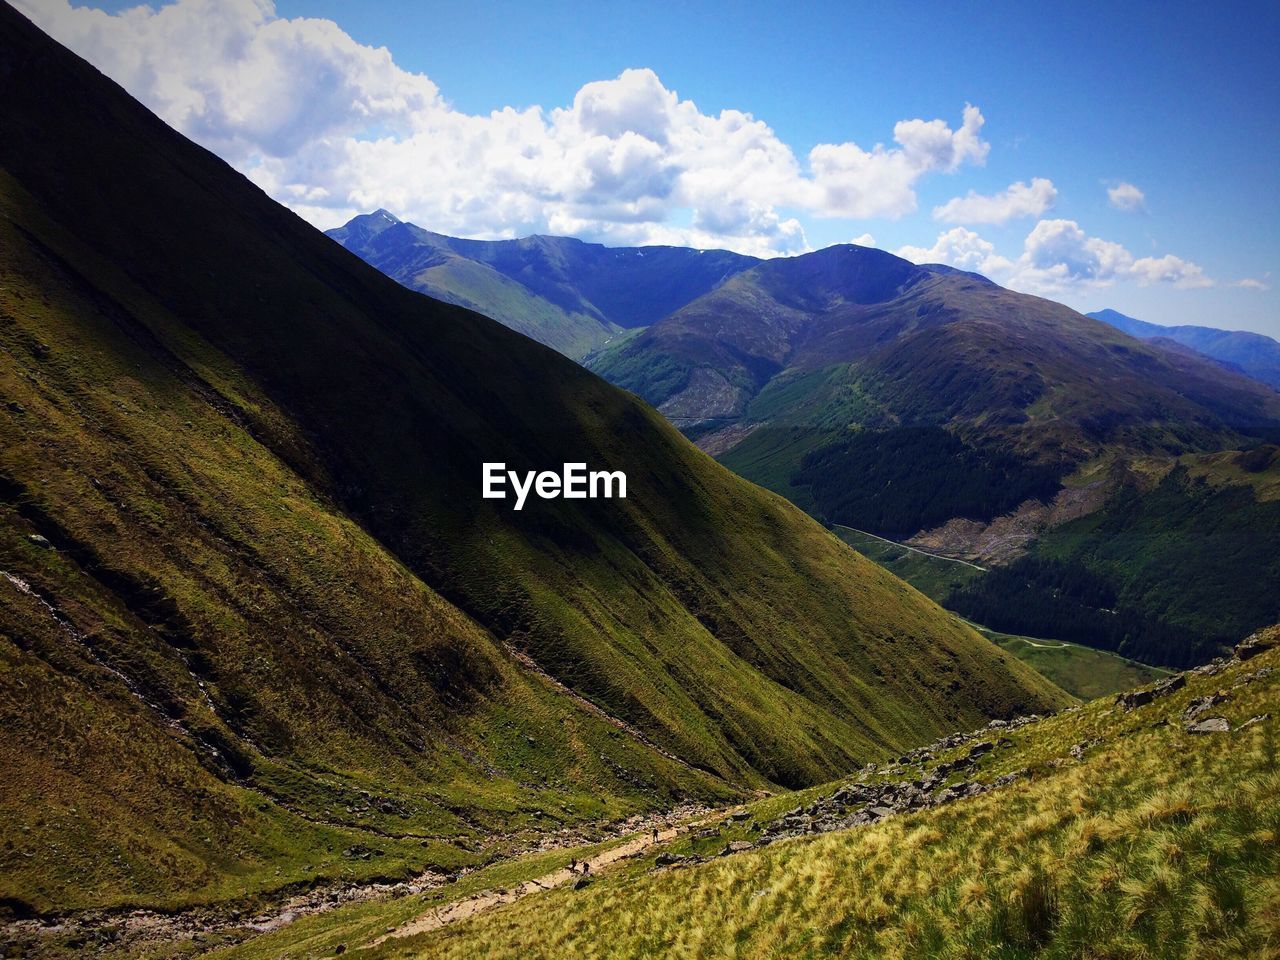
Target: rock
1078 750
1130 699
1260 642
877 812
1201 705
39 541
737 846
978 749
740 815
1260 718
581 882
667 859
1216 665
340 948
1212 725
1169 685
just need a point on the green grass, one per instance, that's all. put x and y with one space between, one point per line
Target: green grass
1156 843
1081 671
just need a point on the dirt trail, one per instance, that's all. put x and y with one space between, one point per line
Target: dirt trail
487 900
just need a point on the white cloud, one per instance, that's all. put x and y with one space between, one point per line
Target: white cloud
1057 257
1127 197
1019 200
1250 283
1170 269
864 240
334 128
960 248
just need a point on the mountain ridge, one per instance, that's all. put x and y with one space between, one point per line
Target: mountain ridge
1253 354
572 295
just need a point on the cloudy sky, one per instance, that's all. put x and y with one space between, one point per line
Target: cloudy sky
1102 158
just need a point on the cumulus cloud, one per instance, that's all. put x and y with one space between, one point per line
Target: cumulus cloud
963 249
1251 283
864 240
1057 257
1019 200
333 128
1127 197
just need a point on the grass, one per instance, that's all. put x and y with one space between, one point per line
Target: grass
1156 843
1081 671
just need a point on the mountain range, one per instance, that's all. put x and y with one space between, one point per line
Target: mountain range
1250 353
259 630
575 297
927 404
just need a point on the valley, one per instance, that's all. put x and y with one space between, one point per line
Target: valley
370 591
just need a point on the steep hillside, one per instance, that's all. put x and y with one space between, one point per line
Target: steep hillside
259 627
1137 829
1135 826
570 295
1251 353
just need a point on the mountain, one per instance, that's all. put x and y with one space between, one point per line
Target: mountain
1254 354
850 335
575 297
783 359
259 630
926 404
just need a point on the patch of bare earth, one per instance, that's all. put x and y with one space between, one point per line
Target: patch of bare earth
1006 538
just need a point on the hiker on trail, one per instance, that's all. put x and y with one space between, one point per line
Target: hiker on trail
586 867
655 834
573 865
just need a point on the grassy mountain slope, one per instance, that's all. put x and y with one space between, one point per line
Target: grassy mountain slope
262 579
570 295
1121 835
1252 353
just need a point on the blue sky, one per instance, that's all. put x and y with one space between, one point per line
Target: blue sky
1177 100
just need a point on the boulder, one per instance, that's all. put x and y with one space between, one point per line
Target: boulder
1212 725
1201 705
1260 642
